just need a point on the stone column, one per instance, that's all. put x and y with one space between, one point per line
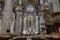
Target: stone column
0 26
12 23
6 16
42 23
18 27
25 24
36 24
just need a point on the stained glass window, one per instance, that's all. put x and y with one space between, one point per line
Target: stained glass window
30 9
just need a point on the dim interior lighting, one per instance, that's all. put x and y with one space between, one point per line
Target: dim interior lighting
36 32
24 32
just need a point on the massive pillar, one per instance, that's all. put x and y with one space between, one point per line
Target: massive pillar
18 25
12 23
19 16
6 17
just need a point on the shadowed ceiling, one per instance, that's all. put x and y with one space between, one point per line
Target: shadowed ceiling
27 2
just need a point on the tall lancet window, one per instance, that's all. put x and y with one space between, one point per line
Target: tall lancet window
29 24
30 9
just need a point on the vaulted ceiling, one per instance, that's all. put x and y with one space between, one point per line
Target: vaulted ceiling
27 2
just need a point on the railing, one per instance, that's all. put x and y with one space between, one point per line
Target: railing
37 36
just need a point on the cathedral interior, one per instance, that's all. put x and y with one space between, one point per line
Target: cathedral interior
29 19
